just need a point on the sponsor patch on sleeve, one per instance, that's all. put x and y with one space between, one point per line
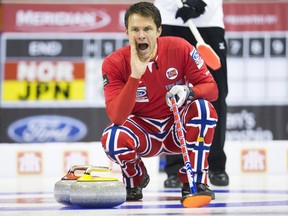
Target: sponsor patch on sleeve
197 58
105 80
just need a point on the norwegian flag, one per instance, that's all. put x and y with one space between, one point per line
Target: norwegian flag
199 136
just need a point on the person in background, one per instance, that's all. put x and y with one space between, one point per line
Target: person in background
139 81
207 16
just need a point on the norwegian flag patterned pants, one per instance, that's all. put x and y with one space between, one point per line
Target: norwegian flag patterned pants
145 137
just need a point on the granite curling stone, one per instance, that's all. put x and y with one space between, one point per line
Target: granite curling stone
62 188
97 192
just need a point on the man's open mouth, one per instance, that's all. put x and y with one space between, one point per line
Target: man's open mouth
143 46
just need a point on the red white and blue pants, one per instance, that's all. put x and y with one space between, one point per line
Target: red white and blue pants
145 137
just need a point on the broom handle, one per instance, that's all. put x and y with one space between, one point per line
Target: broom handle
191 25
181 137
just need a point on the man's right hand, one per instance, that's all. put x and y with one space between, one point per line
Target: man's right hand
191 9
138 67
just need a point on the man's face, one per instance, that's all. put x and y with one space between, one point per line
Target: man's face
145 33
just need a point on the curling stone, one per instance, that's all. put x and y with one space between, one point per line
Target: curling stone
62 187
97 192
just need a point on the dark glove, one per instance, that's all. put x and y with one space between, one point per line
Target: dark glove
191 9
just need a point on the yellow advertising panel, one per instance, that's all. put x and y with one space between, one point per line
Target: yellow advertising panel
27 91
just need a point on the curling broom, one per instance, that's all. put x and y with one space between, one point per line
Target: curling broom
206 52
194 199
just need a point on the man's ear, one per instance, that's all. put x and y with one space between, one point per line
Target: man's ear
159 31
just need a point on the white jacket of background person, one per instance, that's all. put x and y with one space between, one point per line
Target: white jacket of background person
213 16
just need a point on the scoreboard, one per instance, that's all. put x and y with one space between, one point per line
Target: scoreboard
63 68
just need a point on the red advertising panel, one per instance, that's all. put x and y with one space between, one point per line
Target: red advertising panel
64 17
1 17
251 16
255 16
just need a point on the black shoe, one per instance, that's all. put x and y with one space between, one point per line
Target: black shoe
134 194
219 178
172 182
202 189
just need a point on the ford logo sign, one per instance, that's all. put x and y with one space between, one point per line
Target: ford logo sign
47 128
